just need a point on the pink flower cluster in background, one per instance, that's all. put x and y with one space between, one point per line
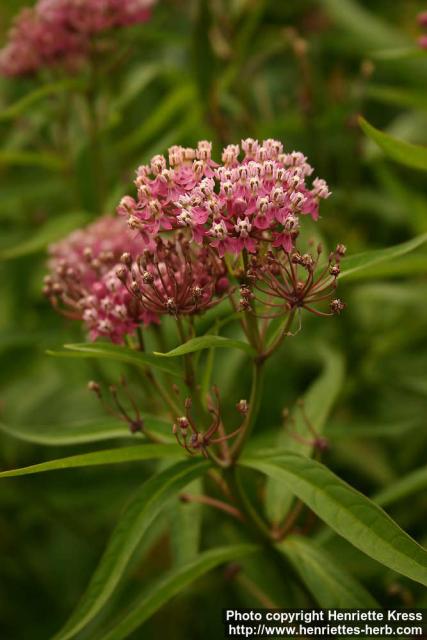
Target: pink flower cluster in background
60 31
83 284
243 203
422 21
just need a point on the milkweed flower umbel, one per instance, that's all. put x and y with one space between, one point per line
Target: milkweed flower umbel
252 205
247 203
83 284
61 31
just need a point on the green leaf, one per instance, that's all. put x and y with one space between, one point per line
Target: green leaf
328 583
318 403
185 521
395 429
243 43
408 97
207 342
110 456
71 434
413 264
399 54
367 27
51 231
23 104
175 102
203 58
403 488
133 523
117 353
361 261
351 514
44 160
406 153
172 584
84 432
136 82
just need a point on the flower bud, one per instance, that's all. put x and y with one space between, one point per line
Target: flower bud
242 407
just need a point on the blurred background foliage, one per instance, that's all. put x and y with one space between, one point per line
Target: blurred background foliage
300 71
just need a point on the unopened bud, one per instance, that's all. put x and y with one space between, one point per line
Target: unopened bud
147 277
242 407
337 306
94 386
136 426
134 287
196 292
183 425
321 444
126 259
122 273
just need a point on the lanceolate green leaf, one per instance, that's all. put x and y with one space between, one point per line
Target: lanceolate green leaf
407 97
175 102
367 27
351 514
329 584
185 521
50 232
172 584
119 354
318 402
23 104
76 433
406 153
110 456
136 519
207 342
44 160
403 488
80 433
353 265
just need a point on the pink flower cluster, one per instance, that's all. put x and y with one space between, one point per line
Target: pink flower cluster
83 283
169 257
105 276
240 204
422 21
60 31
